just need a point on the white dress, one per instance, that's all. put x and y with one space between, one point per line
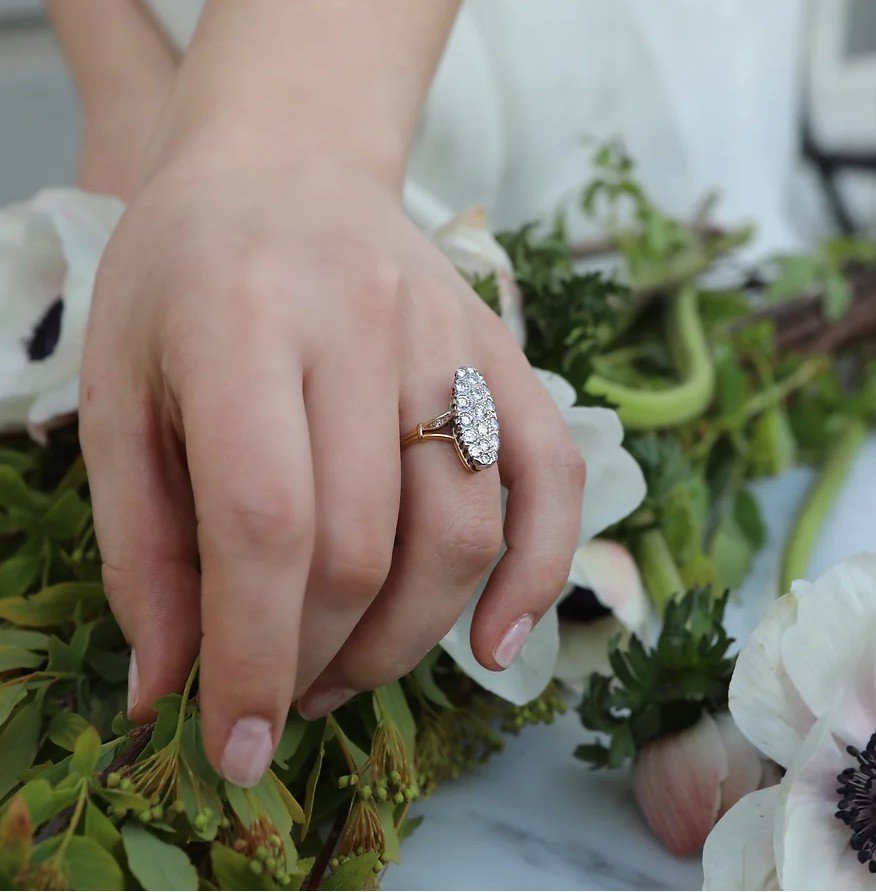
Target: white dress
703 93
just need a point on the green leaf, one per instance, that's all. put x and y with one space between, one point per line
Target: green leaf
837 297
312 781
157 864
85 864
10 696
65 516
53 606
86 752
12 658
293 736
43 802
18 744
14 492
232 870
391 705
16 841
102 830
353 874
65 728
19 573
423 676
773 445
24 638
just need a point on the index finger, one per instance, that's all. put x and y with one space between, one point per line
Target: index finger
252 480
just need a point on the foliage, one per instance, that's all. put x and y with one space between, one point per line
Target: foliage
661 690
90 802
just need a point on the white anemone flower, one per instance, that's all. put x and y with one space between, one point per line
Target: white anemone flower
615 487
50 247
617 597
474 251
804 693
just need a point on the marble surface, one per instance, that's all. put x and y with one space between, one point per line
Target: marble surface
536 818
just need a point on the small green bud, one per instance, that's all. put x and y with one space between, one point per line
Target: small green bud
113 779
398 799
354 780
395 777
343 781
178 806
382 794
145 816
239 845
274 841
125 783
157 813
256 868
225 824
335 863
200 821
261 854
270 863
365 791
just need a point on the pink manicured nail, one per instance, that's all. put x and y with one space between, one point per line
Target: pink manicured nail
505 652
315 706
248 751
133 682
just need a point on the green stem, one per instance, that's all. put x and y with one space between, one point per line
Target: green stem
649 409
187 690
58 856
658 568
819 501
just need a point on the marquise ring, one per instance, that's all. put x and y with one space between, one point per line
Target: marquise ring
471 421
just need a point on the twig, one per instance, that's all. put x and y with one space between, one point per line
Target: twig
325 856
140 737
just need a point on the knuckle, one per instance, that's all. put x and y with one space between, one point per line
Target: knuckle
470 543
270 521
550 573
356 566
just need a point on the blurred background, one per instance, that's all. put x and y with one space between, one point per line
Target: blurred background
775 104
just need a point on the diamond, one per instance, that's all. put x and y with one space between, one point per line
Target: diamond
474 418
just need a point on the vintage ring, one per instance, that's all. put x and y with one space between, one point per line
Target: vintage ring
471 418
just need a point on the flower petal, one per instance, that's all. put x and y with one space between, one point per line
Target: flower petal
584 650
527 676
677 782
739 852
473 250
609 571
836 619
558 387
744 763
763 700
615 483
49 249
814 847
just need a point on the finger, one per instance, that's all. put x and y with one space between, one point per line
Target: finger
449 534
354 441
544 474
249 460
145 526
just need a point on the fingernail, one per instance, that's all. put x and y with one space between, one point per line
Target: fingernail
133 682
505 652
315 706
248 751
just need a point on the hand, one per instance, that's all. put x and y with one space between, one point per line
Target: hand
261 333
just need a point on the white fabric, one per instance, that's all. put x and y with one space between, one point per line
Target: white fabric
703 92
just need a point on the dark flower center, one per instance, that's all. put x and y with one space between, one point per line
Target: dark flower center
857 803
582 606
46 333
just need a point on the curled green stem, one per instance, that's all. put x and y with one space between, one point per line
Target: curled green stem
650 409
820 500
658 568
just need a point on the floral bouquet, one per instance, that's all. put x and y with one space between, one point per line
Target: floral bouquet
683 377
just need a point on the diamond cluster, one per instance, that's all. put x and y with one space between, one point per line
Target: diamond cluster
475 424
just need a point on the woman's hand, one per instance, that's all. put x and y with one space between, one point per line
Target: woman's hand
266 322
258 340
